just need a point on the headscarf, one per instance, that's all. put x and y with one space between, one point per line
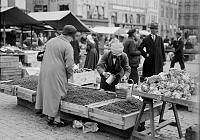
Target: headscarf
90 38
116 47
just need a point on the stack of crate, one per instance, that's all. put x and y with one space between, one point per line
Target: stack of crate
9 68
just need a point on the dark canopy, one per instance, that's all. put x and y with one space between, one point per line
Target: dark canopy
13 16
59 19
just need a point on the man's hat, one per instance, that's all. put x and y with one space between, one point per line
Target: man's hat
153 25
68 30
178 33
131 31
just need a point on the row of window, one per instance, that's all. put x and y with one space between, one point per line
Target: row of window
118 17
168 12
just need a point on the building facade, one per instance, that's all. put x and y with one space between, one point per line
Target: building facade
152 7
127 13
189 17
168 17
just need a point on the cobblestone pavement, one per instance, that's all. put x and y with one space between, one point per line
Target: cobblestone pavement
19 123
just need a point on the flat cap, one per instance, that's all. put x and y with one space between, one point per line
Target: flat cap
131 31
153 25
69 29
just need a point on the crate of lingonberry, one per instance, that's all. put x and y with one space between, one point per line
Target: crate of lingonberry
122 114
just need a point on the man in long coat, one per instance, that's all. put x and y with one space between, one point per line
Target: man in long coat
56 68
154 54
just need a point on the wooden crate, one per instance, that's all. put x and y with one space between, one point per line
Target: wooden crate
26 94
10 77
121 121
82 110
10 71
9 59
8 89
12 64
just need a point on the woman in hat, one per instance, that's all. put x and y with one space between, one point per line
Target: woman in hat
113 66
56 69
92 56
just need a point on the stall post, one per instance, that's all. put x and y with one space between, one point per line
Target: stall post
4 31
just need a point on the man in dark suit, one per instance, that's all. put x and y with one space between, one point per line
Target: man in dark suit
178 53
154 54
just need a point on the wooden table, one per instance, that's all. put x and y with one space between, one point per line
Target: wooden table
148 99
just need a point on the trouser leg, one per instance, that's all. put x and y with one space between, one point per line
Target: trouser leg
134 75
173 63
181 62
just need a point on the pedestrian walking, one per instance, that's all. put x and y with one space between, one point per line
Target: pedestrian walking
76 48
92 56
113 66
131 49
56 69
154 54
178 53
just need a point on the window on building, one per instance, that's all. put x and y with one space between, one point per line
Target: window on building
114 17
187 8
187 20
162 11
126 18
138 18
175 14
64 7
143 19
171 12
195 18
167 12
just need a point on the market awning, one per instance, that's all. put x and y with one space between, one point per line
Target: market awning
13 16
59 19
108 30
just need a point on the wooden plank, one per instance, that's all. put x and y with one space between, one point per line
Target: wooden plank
96 117
25 94
109 115
9 59
166 99
9 64
102 103
131 118
74 109
10 77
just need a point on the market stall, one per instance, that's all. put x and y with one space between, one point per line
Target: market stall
58 19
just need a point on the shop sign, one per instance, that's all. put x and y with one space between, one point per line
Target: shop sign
124 8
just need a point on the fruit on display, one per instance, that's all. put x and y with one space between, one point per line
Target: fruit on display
30 82
75 94
174 83
127 106
85 96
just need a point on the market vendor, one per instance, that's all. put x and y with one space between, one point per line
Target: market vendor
113 66
56 69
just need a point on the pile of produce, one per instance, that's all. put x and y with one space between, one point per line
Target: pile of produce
85 96
127 106
175 84
10 49
75 94
30 82
81 70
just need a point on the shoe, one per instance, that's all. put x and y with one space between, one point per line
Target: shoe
38 112
50 121
60 124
